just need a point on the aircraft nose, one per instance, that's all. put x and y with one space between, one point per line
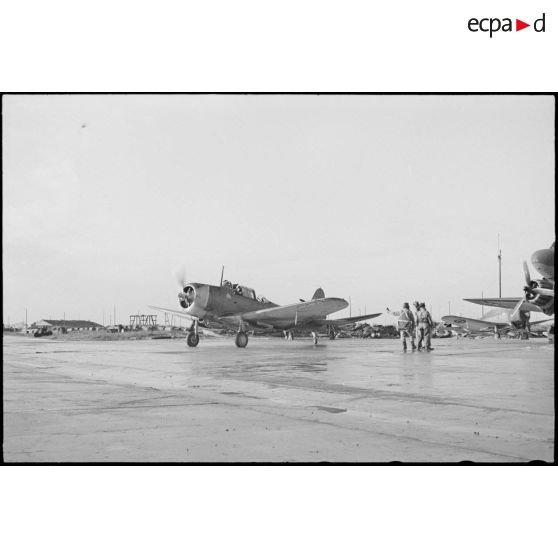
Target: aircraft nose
200 301
543 260
544 257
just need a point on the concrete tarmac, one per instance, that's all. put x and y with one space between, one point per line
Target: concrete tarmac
277 401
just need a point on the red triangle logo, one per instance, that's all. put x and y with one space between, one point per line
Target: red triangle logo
519 25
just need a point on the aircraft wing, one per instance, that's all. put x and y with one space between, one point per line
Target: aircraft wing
175 312
505 303
299 313
351 320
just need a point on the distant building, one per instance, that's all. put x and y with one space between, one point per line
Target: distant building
15 327
63 326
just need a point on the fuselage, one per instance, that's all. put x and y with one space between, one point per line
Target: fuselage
206 301
470 325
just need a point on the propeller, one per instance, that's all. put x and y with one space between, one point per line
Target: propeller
183 296
180 275
516 312
533 288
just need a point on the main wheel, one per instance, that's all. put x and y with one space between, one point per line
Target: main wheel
241 340
193 339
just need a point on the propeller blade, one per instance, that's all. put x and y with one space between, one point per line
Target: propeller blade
515 311
527 273
543 292
181 276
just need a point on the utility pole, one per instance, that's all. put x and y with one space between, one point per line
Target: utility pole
499 268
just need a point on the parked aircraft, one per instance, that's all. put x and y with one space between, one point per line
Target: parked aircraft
472 327
539 293
237 306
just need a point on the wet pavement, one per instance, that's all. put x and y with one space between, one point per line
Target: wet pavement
277 401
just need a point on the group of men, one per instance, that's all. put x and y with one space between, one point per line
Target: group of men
414 325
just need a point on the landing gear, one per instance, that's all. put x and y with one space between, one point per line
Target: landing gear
241 339
332 333
193 339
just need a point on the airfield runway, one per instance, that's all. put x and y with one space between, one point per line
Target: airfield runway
276 401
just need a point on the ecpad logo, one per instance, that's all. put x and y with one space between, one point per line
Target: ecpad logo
493 25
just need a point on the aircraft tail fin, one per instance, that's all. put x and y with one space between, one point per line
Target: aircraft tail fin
318 294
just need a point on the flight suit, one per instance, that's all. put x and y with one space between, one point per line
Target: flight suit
424 327
415 329
405 326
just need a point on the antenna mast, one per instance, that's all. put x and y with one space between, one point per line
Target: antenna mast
499 268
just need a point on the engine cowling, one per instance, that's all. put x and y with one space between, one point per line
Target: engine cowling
187 296
541 293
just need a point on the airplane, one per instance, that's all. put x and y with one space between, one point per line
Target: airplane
539 293
441 331
237 306
472 327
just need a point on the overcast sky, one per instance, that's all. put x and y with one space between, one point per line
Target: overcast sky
383 199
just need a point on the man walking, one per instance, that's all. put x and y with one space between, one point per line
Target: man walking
416 305
405 325
424 327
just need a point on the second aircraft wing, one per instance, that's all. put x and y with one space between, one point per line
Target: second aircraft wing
505 303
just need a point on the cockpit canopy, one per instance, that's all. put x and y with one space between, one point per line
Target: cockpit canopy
242 290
